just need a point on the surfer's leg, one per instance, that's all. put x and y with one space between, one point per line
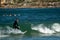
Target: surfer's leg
17 27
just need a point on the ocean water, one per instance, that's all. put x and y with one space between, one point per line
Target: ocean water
34 23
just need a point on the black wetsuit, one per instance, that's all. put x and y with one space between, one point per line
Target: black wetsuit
15 25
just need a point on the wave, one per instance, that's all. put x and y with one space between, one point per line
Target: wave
4 36
9 30
56 27
41 28
44 29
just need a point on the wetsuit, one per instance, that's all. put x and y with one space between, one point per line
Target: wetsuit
15 25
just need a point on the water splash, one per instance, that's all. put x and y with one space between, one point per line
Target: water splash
9 30
55 27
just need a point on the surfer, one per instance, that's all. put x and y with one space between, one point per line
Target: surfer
15 24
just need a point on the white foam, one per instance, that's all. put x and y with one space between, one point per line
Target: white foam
14 31
56 27
43 29
4 36
10 30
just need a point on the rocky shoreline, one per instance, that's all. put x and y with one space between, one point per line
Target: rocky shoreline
33 5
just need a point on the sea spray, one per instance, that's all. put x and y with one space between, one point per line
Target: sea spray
56 27
43 29
9 30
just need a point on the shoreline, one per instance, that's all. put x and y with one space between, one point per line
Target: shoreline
30 7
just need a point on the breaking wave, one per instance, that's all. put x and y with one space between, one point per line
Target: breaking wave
7 31
44 29
41 28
